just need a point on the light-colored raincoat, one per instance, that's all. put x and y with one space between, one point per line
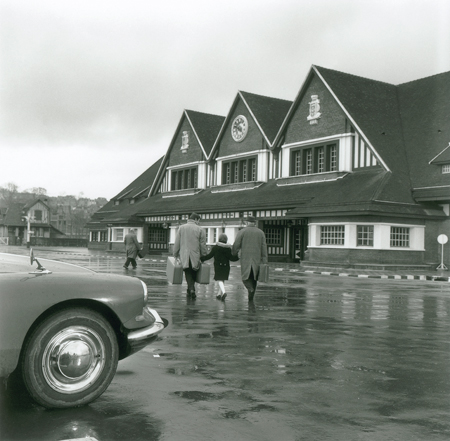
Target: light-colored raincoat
251 242
190 243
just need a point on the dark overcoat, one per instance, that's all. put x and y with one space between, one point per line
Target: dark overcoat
251 242
222 256
132 246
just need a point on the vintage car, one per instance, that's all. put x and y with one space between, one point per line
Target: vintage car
63 328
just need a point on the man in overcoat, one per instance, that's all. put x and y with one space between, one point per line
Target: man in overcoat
190 245
251 242
132 248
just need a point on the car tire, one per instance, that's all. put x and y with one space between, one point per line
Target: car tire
70 358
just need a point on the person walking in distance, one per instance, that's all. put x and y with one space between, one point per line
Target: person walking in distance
251 242
221 252
132 248
189 247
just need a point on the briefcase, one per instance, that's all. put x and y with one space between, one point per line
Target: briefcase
174 271
263 273
142 253
203 274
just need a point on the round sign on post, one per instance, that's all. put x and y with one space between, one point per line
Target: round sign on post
442 239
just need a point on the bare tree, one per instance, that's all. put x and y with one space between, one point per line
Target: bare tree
9 193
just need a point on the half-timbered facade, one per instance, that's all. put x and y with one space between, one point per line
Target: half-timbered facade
352 171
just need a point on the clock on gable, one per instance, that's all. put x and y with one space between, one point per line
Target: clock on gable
239 128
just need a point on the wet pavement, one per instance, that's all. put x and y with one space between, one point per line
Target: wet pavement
315 357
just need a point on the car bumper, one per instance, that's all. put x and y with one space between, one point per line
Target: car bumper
140 338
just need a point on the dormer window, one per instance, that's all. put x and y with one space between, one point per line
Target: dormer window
243 170
445 169
317 159
184 179
185 141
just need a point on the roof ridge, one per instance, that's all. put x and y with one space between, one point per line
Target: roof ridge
265 96
203 113
353 75
425 78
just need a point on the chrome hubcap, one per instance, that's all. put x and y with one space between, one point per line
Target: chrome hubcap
73 359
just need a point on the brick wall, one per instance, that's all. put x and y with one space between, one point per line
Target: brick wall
331 122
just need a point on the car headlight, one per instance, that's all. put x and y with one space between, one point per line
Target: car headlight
145 291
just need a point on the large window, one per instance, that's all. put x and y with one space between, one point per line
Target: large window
399 237
274 236
184 179
118 234
317 159
332 235
157 235
243 170
365 236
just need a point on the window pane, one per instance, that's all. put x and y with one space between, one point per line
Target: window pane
308 161
332 235
332 154
273 236
320 160
296 163
365 235
399 237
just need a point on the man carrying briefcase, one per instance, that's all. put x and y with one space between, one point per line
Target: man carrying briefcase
190 245
251 242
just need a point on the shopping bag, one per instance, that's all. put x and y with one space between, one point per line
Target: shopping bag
174 271
203 274
263 273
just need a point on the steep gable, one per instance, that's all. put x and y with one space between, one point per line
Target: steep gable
425 110
373 108
206 128
268 113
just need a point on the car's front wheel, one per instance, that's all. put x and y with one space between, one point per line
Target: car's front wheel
70 358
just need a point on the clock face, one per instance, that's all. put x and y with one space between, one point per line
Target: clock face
239 128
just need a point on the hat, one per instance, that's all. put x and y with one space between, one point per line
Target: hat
251 219
194 216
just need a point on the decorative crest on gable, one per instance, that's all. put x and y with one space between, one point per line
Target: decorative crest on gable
314 110
185 141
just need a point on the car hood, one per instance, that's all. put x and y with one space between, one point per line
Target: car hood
13 263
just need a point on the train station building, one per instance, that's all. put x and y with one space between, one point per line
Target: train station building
353 171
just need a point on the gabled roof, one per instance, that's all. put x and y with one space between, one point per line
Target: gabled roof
443 157
141 183
373 108
139 187
205 127
425 109
31 204
12 216
267 112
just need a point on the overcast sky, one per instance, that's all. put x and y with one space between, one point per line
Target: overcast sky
92 90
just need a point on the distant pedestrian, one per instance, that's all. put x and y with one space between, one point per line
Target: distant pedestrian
221 252
132 248
251 242
189 247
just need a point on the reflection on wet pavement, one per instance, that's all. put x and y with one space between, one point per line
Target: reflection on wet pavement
313 358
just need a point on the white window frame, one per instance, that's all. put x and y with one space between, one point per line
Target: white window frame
381 236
